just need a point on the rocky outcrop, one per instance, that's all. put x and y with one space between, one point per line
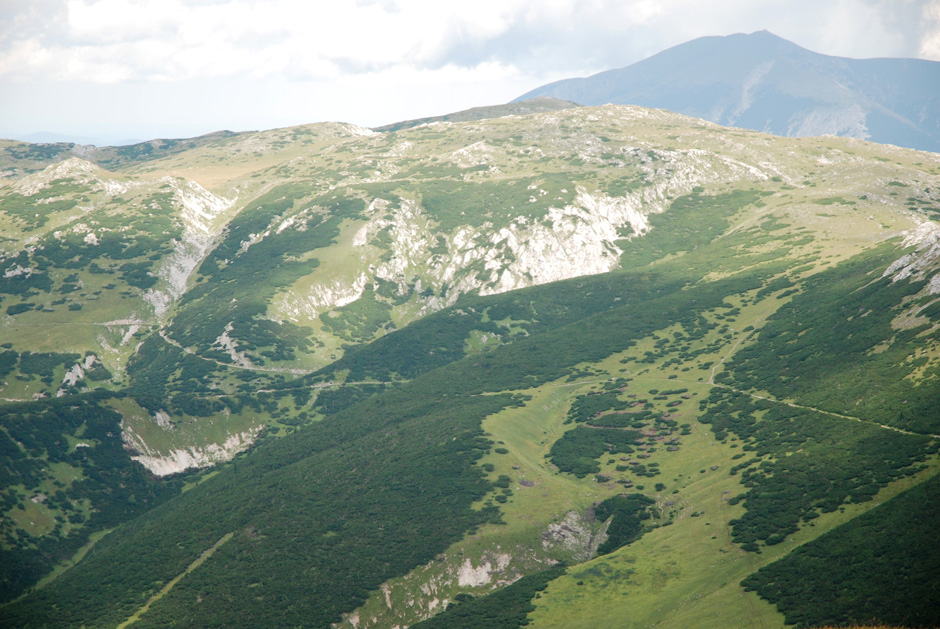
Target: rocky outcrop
577 535
200 211
177 460
400 242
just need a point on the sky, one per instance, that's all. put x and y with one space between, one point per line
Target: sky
111 71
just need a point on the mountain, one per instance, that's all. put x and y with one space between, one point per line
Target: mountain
517 108
20 158
760 81
580 368
49 137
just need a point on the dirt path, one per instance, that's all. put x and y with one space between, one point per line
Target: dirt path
830 413
711 377
711 381
169 586
317 385
293 371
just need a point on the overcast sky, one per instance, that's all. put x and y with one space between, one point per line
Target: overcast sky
111 70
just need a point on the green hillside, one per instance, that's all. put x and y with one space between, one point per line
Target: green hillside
595 367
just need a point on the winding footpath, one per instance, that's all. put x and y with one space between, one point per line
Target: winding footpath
711 382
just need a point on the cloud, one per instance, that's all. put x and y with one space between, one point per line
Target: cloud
96 66
930 36
153 40
108 41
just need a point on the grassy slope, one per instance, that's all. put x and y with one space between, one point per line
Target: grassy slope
886 543
703 592
646 582
518 441
816 228
504 372
685 476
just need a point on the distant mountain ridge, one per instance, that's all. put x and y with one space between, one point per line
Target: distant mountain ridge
763 82
51 137
515 108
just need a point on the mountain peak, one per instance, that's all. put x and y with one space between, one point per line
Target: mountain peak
764 82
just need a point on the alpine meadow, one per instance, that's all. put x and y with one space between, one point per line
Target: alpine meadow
549 366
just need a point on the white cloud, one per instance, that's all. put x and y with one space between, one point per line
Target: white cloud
310 60
116 40
115 21
930 40
108 41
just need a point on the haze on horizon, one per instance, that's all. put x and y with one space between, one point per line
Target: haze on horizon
108 71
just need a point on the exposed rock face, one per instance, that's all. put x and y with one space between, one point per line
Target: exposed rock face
576 534
430 589
471 576
226 344
199 211
75 374
181 459
400 244
924 261
79 169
